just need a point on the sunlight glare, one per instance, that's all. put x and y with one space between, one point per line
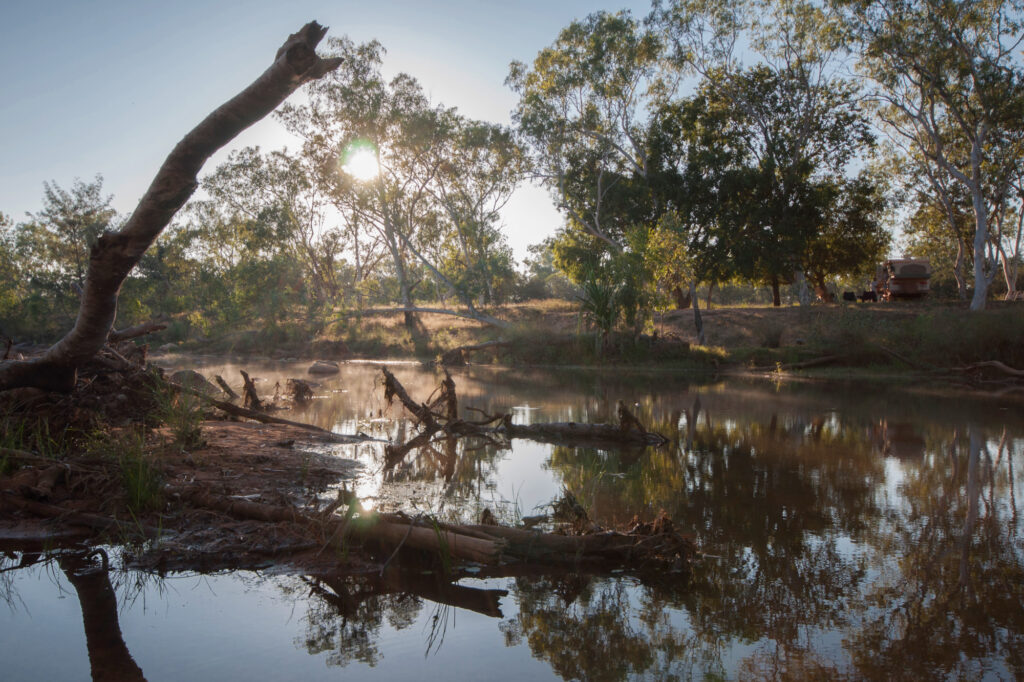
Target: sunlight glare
361 162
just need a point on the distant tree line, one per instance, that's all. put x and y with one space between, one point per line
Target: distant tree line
712 143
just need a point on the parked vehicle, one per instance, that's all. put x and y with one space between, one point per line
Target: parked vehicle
903 278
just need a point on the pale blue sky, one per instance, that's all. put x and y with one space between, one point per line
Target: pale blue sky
110 86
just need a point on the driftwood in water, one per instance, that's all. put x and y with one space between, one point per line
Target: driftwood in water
629 431
1000 367
653 544
568 433
300 391
338 530
224 387
264 418
251 399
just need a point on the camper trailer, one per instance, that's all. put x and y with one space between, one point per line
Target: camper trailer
903 278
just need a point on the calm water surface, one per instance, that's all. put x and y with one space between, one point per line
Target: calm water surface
853 532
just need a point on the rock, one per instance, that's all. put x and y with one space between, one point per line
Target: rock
194 380
324 367
300 391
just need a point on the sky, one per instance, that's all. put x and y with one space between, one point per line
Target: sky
108 87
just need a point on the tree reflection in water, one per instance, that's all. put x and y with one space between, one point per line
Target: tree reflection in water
914 562
841 545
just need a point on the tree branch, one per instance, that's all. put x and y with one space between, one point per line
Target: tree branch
115 254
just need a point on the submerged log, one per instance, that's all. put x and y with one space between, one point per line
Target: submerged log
569 433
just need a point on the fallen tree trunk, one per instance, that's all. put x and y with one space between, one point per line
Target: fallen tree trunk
93 521
647 544
136 331
991 364
478 317
116 254
457 356
567 433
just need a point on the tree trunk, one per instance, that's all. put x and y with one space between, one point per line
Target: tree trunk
109 657
803 295
958 269
821 289
115 254
981 279
698 323
776 297
682 299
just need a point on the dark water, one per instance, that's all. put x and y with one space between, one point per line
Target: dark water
853 532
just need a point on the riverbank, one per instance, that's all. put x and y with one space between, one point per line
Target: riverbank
873 337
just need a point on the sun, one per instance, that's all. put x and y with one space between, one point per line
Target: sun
360 161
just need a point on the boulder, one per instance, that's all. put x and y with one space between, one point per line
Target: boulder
324 367
190 378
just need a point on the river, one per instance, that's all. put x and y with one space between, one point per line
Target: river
850 531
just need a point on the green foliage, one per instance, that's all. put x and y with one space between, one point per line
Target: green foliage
182 414
19 432
141 473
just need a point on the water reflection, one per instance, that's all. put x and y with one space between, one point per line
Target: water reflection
851 532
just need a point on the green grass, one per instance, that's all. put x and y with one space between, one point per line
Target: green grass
141 474
182 413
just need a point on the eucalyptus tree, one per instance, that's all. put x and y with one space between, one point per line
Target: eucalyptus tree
370 141
275 193
52 247
390 162
789 122
481 168
949 67
11 284
583 109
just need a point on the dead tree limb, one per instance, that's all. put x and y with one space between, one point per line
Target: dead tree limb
136 331
628 432
116 253
252 399
76 518
572 433
457 356
991 364
237 411
394 389
478 317
224 387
